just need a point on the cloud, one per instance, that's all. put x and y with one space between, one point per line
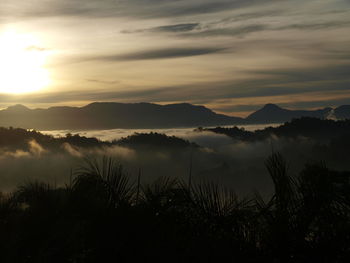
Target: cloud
113 151
35 148
258 83
36 48
234 163
166 53
109 82
314 57
74 151
168 28
119 152
229 28
122 8
236 31
322 74
316 25
176 28
250 15
14 154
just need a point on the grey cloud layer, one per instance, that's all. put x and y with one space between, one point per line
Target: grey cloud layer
270 83
167 28
176 28
198 30
291 33
108 8
165 53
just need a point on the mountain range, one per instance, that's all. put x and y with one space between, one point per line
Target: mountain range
111 115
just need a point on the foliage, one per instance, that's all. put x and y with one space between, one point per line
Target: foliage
103 216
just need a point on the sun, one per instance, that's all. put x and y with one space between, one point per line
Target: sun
22 63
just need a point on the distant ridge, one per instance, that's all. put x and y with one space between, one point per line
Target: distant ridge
342 112
272 113
112 115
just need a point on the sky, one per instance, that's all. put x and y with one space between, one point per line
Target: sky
232 56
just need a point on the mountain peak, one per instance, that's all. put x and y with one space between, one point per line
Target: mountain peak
275 114
17 107
271 106
342 112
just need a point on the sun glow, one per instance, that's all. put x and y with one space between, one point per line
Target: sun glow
22 64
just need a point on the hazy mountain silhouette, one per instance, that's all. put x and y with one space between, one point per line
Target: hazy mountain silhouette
272 113
109 115
342 112
114 115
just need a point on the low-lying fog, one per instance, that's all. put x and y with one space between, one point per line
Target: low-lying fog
115 134
236 164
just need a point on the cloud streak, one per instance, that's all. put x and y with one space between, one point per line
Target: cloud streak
166 53
121 8
167 28
233 32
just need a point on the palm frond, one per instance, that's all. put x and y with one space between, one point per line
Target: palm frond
108 178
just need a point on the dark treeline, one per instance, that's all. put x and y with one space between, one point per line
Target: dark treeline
18 138
313 128
318 129
328 139
103 216
155 139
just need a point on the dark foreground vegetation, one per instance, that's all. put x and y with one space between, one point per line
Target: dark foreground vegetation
102 216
